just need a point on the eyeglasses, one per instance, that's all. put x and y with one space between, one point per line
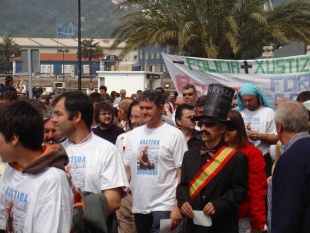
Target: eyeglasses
134 117
207 124
188 94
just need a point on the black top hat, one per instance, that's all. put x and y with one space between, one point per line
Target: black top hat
218 102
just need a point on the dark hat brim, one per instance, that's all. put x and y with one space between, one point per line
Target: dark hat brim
198 118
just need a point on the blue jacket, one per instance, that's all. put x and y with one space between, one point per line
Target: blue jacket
291 190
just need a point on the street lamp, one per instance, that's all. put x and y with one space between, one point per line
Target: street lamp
63 51
79 48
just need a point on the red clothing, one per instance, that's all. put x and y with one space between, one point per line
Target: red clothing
254 205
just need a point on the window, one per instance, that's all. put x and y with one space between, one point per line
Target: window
85 69
47 69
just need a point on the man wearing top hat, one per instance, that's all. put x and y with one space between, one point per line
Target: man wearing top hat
213 179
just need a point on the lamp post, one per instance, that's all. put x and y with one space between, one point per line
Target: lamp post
63 51
79 48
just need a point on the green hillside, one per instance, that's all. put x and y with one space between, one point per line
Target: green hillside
37 18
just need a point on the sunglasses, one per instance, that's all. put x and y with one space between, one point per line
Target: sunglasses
207 124
230 126
188 94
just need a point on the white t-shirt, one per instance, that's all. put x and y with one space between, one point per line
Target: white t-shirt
96 165
153 188
121 142
262 121
41 203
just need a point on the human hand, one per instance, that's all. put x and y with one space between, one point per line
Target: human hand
209 209
253 135
175 218
187 210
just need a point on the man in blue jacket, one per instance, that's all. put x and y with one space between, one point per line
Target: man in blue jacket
291 178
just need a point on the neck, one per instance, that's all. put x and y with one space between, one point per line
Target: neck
102 127
155 124
212 144
286 136
188 133
28 156
232 146
79 134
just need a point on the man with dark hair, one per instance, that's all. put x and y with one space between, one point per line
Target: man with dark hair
152 160
7 96
303 96
96 165
9 85
213 179
34 185
104 118
189 94
168 107
199 106
104 94
291 177
183 115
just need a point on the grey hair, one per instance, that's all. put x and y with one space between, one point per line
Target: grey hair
293 116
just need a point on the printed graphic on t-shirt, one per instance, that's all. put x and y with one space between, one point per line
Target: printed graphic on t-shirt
148 157
252 124
77 170
16 203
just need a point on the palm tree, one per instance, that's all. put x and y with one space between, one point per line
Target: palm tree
91 50
8 49
212 28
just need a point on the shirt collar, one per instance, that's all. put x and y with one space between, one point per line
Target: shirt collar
298 136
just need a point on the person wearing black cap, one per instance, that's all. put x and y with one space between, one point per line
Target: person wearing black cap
213 179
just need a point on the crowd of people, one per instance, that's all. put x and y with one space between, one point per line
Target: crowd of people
147 163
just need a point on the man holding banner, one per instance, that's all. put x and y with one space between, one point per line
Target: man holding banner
258 116
213 179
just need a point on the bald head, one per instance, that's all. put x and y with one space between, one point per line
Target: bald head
280 101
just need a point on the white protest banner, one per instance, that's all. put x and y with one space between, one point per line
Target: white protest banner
276 77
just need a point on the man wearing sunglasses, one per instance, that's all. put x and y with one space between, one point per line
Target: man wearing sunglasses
213 178
189 94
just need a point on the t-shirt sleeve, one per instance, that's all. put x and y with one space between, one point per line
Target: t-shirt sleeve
113 173
53 212
271 125
179 149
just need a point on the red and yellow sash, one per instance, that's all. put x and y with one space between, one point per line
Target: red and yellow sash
210 170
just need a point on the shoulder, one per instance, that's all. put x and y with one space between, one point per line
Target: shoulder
117 129
264 109
190 154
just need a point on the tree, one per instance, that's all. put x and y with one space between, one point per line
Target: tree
91 50
212 28
8 49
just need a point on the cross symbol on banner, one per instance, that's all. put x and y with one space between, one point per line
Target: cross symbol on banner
246 67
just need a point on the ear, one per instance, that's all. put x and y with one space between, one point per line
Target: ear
178 122
14 140
161 108
78 118
279 127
